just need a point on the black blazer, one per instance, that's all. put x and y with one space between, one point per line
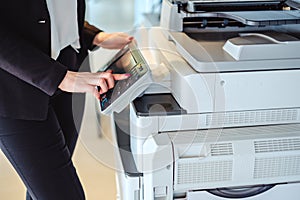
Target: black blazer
28 76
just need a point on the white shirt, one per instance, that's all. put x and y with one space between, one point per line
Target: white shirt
64 25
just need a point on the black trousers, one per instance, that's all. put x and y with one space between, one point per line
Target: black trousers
41 152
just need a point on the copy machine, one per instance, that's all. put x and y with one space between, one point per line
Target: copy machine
219 115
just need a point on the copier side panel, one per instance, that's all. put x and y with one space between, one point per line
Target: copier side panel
158 168
141 128
258 90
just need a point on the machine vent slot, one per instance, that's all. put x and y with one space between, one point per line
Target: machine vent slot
277 167
221 149
197 171
252 117
290 144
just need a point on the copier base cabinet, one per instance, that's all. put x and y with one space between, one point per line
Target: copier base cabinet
192 163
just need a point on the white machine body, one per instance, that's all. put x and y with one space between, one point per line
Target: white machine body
221 119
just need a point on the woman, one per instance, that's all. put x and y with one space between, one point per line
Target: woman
42 43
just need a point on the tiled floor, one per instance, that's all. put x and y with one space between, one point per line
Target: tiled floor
97 175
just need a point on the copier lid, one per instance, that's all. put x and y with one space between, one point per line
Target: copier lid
231 51
273 36
213 5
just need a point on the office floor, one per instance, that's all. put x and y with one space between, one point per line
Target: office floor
97 175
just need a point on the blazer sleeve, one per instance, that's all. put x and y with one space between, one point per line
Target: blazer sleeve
86 41
90 32
21 59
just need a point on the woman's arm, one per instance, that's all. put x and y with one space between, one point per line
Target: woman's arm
21 59
89 82
93 37
112 40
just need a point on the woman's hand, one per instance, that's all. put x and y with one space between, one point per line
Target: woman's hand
88 82
112 40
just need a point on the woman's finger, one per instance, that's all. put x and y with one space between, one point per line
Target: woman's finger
103 85
110 81
121 76
96 93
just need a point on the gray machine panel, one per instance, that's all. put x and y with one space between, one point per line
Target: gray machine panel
205 52
212 5
263 18
128 60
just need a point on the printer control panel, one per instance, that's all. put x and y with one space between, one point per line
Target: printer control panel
129 61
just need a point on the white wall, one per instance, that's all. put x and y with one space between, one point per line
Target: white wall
119 15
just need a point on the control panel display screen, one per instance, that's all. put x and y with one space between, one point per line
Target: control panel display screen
127 61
